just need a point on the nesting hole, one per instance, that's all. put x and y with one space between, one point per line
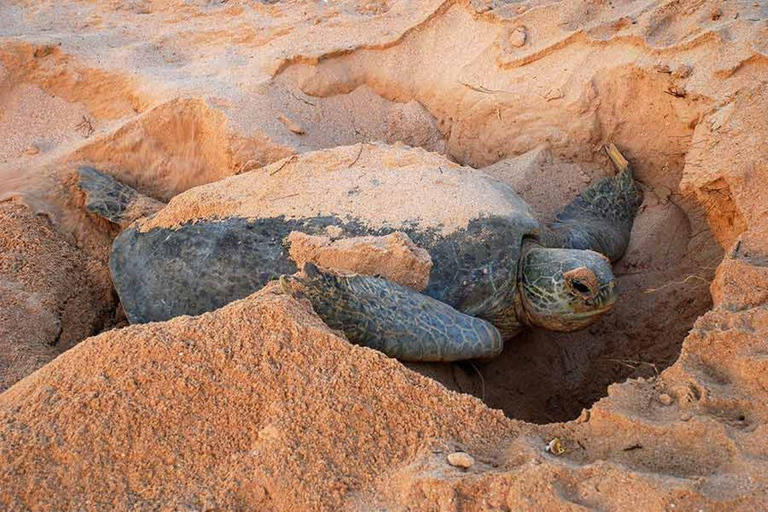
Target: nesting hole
663 279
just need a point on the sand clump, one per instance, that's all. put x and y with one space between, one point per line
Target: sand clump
394 257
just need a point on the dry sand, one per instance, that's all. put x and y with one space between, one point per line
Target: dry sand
394 257
258 405
52 295
367 183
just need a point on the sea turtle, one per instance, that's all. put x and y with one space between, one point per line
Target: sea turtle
495 269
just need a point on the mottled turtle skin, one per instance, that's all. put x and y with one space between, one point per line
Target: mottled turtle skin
105 196
204 264
601 217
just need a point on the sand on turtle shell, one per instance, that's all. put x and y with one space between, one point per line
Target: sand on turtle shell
394 257
376 184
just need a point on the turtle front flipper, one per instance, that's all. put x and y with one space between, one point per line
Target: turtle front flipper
393 319
601 218
112 200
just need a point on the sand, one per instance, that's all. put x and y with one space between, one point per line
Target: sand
52 295
258 405
367 183
394 257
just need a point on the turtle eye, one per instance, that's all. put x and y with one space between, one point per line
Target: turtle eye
582 282
580 287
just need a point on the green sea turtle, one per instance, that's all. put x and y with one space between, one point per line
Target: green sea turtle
495 269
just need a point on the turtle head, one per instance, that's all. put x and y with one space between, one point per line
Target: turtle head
564 289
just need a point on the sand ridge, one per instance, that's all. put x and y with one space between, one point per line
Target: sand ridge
178 417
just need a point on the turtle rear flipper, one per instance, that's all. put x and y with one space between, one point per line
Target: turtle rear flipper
112 200
601 218
393 319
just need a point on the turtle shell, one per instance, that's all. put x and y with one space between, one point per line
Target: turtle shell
221 242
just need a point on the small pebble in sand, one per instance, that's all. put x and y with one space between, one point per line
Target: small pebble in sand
32 150
556 446
460 460
521 9
686 416
665 399
518 37
715 14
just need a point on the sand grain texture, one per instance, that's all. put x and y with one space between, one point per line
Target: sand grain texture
394 257
52 295
256 405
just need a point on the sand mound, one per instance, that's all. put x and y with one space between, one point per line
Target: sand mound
51 294
256 405
259 405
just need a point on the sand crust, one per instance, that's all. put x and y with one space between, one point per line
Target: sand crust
394 257
374 184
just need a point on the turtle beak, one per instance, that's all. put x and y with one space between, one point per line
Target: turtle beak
604 300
